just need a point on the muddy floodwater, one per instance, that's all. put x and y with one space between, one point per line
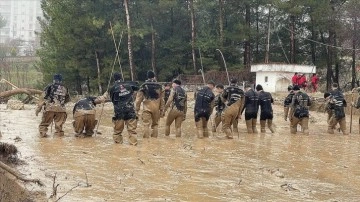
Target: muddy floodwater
251 167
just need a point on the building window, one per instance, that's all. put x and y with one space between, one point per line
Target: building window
266 79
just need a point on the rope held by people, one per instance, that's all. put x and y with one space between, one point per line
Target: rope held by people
111 73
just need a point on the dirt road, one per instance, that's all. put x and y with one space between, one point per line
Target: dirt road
261 167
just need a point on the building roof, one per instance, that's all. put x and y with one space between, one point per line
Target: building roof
283 68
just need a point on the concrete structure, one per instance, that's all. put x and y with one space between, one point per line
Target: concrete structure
277 77
21 22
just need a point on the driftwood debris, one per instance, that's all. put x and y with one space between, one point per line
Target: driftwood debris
16 91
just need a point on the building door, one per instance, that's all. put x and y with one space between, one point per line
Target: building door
282 84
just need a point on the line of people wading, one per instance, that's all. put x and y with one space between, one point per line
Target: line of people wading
229 103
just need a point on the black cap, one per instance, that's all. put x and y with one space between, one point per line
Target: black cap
335 85
327 94
57 77
117 76
296 87
150 74
259 87
220 86
211 82
177 81
233 80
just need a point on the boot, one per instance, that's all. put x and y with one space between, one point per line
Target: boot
206 132
213 129
43 134
199 129
132 140
249 126
167 130
270 125
343 127
293 130
118 139
330 131
154 132
60 134
228 133
262 126
178 132
146 133
254 126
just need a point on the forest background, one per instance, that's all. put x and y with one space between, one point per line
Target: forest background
173 37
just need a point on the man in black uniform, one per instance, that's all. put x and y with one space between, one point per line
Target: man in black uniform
337 104
151 94
288 101
178 103
266 114
234 98
219 106
121 95
299 111
251 107
204 104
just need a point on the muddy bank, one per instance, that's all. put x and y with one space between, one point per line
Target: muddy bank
12 190
260 167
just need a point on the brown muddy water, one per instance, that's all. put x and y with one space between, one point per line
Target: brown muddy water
260 167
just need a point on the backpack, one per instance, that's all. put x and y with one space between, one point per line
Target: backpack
338 101
180 98
301 104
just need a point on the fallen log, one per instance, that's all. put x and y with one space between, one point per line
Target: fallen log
12 92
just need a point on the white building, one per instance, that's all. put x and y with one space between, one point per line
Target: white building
277 77
21 20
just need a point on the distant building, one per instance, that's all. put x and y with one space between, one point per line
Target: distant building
277 77
21 21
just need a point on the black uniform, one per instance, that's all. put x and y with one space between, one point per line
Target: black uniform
204 103
121 95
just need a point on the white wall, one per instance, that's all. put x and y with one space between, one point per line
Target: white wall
276 81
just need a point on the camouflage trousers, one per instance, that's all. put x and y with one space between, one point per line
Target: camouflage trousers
48 117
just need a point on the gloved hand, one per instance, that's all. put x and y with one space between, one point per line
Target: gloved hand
38 110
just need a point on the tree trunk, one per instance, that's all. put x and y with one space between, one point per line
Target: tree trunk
98 72
312 44
353 68
268 39
128 22
221 23
16 91
153 48
328 62
193 36
257 51
247 56
292 39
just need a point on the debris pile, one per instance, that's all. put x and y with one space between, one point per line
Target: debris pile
15 105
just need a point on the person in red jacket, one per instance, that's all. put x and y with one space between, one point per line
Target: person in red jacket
302 81
294 79
314 82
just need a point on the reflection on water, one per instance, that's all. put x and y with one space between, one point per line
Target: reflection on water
262 167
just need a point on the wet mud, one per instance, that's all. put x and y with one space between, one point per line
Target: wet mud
251 167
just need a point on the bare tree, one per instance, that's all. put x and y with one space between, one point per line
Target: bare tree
193 31
128 22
